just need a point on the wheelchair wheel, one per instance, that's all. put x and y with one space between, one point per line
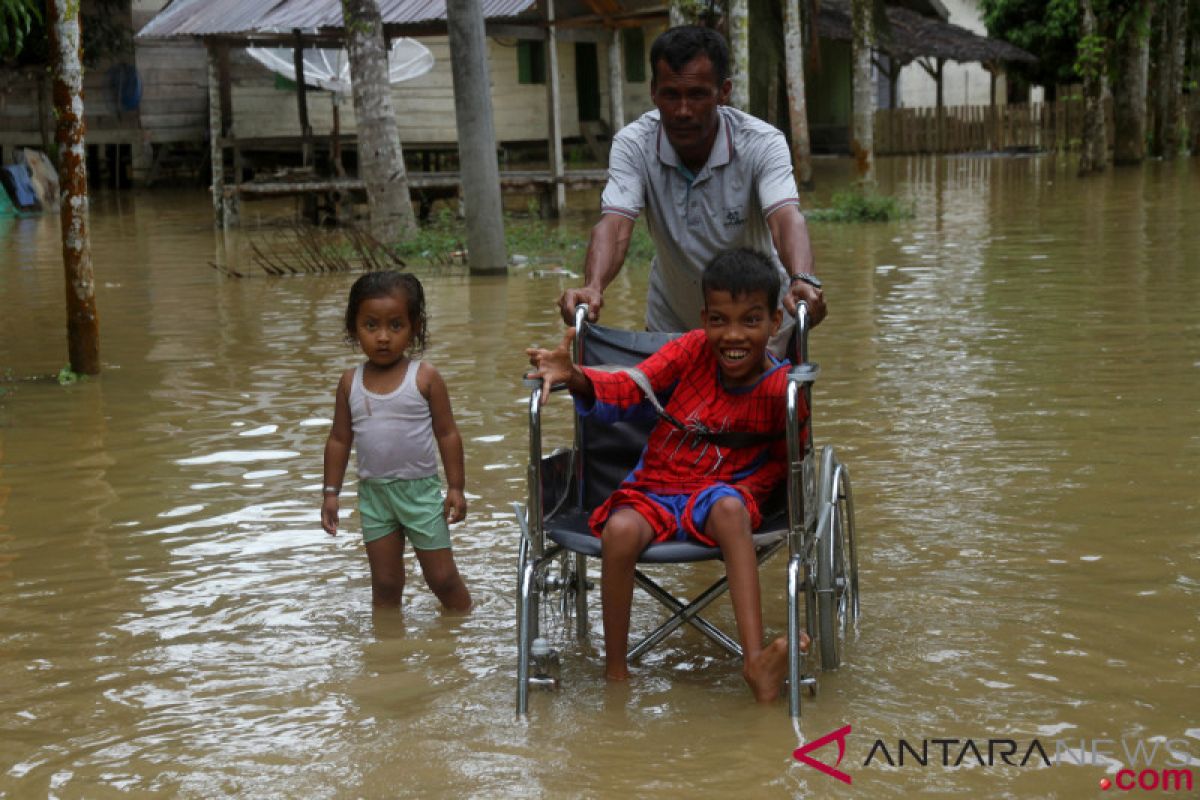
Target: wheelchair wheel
837 569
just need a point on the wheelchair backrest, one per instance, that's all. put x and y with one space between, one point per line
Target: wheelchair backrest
609 452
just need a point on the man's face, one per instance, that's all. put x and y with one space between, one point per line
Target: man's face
687 103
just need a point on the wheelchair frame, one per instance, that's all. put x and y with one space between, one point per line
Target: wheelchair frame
822 567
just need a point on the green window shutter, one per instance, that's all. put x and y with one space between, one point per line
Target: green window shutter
531 61
633 42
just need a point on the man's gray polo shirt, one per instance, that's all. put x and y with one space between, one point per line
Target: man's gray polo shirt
724 206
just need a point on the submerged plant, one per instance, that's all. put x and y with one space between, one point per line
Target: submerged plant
858 206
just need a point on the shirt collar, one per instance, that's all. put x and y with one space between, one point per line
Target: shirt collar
720 155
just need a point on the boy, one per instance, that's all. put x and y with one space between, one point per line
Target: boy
716 453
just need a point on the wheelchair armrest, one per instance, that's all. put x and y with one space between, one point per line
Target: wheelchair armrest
804 373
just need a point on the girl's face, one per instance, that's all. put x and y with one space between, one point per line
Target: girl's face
383 329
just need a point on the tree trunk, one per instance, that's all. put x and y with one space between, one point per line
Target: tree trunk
380 157
476 137
616 82
793 50
862 143
1129 90
1094 154
1167 77
739 53
83 330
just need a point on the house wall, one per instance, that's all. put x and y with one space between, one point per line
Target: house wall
962 84
424 106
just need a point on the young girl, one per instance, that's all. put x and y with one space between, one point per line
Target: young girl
393 407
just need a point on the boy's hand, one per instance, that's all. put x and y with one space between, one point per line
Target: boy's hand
455 506
329 514
552 366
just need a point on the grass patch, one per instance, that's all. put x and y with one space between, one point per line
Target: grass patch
440 240
858 206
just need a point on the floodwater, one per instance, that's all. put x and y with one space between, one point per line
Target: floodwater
1013 377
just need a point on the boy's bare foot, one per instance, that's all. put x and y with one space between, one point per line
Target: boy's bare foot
765 672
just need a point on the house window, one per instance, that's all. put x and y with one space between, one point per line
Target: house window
531 61
633 43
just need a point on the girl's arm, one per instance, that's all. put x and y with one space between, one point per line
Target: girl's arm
337 454
448 439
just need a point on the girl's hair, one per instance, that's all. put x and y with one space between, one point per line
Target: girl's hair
742 272
383 284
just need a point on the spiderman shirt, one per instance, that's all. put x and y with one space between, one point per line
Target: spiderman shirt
680 475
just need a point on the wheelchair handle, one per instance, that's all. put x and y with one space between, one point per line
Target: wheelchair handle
802 328
581 315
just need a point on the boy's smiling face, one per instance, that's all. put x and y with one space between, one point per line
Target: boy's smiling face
738 329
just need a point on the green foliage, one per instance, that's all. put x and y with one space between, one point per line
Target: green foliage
1092 54
445 235
67 376
859 206
104 28
1048 29
17 19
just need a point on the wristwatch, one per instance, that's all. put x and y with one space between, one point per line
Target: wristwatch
807 277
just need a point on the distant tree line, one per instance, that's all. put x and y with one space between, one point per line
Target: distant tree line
1145 53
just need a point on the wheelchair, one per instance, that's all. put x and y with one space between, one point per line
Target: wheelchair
816 523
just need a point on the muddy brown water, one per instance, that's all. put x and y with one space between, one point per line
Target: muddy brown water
1013 377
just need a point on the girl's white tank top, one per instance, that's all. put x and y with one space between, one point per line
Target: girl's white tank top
393 433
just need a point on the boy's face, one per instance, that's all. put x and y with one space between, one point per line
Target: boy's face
738 330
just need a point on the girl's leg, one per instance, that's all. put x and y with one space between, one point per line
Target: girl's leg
441 575
625 536
386 557
764 669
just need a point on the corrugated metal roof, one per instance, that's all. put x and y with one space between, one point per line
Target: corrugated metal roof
232 17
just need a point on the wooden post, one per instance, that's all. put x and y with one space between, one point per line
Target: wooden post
476 137
216 132
302 96
616 81
558 192
83 329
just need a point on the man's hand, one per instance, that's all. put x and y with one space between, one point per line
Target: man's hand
552 366
571 298
814 297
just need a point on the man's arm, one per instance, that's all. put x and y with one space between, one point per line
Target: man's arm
606 251
789 232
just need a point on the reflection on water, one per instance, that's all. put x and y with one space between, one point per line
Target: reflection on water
1012 377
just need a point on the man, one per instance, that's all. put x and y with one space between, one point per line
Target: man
710 178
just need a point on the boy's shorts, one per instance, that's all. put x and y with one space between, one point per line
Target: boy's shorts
674 516
414 506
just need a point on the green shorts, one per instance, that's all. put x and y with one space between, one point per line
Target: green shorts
413 506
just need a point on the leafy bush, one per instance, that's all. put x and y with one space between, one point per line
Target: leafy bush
859 206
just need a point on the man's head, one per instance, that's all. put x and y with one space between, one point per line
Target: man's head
741 313
690 67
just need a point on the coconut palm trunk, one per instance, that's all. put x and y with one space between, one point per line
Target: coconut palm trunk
1129 88
862 144
1094 154
380 157
739 52
83 328
1168 81
793 52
